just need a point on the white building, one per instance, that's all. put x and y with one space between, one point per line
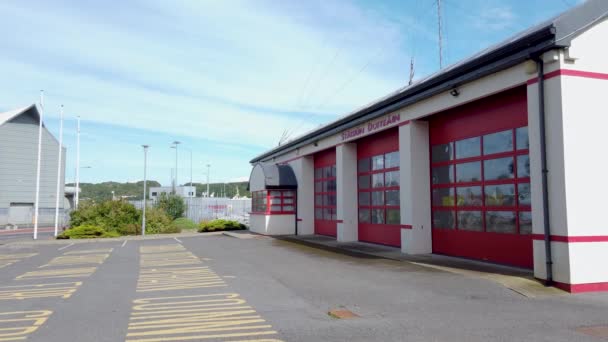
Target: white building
18 164
492 158
183 191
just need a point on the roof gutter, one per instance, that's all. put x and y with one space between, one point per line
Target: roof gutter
512 54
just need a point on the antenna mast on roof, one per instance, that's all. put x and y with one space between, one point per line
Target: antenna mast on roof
411 80
440 34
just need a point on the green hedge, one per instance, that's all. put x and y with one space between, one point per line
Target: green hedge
220 225
87 232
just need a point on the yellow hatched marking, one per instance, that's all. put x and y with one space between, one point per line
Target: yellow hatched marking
17 325
9 259
93 251
75 260
58 273
161 248
192 317
163 279
169 259
19 292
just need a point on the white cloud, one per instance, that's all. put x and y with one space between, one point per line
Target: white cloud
495 18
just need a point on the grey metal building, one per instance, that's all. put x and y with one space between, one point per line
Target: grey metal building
18 163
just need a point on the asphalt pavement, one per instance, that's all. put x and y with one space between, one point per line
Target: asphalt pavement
221 288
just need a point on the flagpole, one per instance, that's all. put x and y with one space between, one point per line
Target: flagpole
37 202
59 171
77 195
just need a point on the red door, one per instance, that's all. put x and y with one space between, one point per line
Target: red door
325 193
480 180
378 188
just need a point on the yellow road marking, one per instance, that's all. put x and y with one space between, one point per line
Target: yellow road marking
199 337
19 292
74 260
9 259
161 248
163 279
58 273
11 330
94 251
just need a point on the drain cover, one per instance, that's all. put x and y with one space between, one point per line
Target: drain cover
596 331
342 314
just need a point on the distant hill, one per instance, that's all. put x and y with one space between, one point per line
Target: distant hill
103 191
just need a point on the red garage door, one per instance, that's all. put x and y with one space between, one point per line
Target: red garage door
378 188
481 180
325 193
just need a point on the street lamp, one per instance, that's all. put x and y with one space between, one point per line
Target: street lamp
175 144
143 219
208 171
77 195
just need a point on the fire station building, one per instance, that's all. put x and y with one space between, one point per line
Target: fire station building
496 158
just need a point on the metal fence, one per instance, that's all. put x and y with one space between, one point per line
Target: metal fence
205 208
25 218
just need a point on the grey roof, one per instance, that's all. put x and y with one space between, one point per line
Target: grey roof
11 114
279 177
557 32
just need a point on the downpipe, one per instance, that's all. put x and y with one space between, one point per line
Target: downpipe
543 155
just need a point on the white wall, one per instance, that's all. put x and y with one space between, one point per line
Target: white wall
415 188
272 224
304 171
346 193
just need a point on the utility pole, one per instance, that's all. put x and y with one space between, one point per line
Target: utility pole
60 158
143 219
175 144
77 195
440 34
208 170
37 203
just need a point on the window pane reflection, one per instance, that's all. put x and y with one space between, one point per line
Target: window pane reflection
392 197
441 153
364 215
392 178
468 172
364 198
523 166
470 220
443 197
377 180
525 222
378 198
498 142
391 160
364 182
378 216
500 222
467 148
501 168
521 136
500 195
378 162
523 194
443 219
363 165
443 174
469 196
393 216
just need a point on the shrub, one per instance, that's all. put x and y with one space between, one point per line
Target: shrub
184 223
158 222
220 225
87 232
129 229
110 215
171 204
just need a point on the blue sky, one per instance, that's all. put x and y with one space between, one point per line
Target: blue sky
227 77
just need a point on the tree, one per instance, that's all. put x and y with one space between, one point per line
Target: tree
173 205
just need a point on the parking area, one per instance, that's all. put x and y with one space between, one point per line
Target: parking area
214 287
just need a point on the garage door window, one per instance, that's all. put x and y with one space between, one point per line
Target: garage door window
273 202
482 183
325 193
379 189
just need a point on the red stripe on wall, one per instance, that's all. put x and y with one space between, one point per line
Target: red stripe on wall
406 226
572 239
569 72
581 288
406 122
339 221
299 220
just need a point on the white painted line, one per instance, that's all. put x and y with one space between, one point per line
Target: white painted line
124 243
178 240
64 247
